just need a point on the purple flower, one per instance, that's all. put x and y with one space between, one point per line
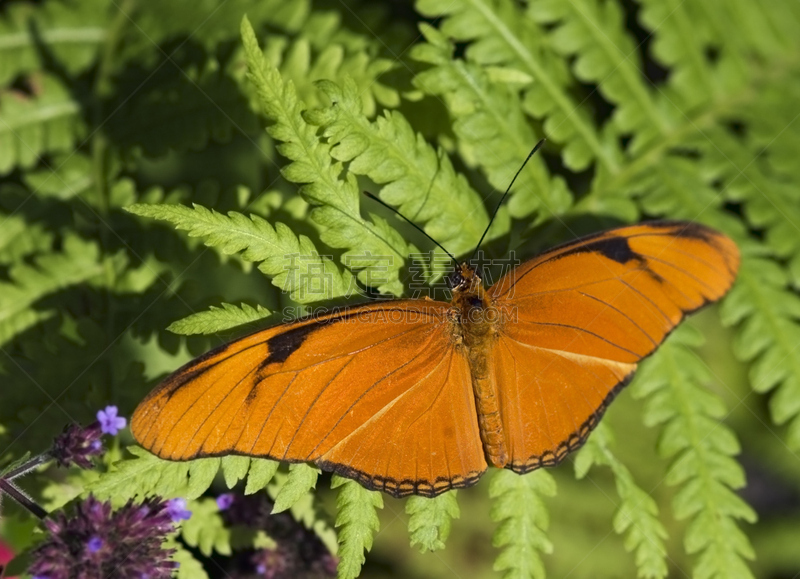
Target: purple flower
298 553
177 510
97 542
224 501
275 563
110 423
76 445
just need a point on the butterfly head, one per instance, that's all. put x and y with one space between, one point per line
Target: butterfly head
465 280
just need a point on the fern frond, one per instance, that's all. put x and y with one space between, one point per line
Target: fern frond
336 200
68 175
770 203
290 260
357 521
78 262
760 301
19 238
767 336
147 475
234 469
201 474
301 480
605 54
680 45
414 176
429 520
211 24
260 475
295 492
69 32
501 34
713 21
522 518
189 567
637 514
49 121
205 529
217 319
702 448
492 131
299 63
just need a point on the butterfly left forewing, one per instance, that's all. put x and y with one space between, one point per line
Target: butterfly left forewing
581 316
376 393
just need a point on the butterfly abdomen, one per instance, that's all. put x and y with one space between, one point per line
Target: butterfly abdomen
479 326
489 422
478 339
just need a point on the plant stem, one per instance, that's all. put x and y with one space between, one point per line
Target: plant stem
18 495
27 467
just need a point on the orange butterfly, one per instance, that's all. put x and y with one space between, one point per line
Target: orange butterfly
415 396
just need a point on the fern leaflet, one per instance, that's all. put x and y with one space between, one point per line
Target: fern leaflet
702 449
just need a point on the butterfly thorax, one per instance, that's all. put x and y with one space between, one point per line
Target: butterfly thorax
478 325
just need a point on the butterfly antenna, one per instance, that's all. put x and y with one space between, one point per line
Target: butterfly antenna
414 225
496 209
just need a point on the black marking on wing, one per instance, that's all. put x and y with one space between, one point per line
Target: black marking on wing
614 248
283 345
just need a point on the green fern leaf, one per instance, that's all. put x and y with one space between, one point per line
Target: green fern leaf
702 449
70 33
606 55
205 529
429 520
210 24
142 476
759 299
234 469
357 521
299 63
302 478
18 238
78 262
637 514
336 200
492 131
261 473
189 567
217 319
768 335
500 34
48 122
414 177
522 520
68 176
677 44
770 204
292 261
202 472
